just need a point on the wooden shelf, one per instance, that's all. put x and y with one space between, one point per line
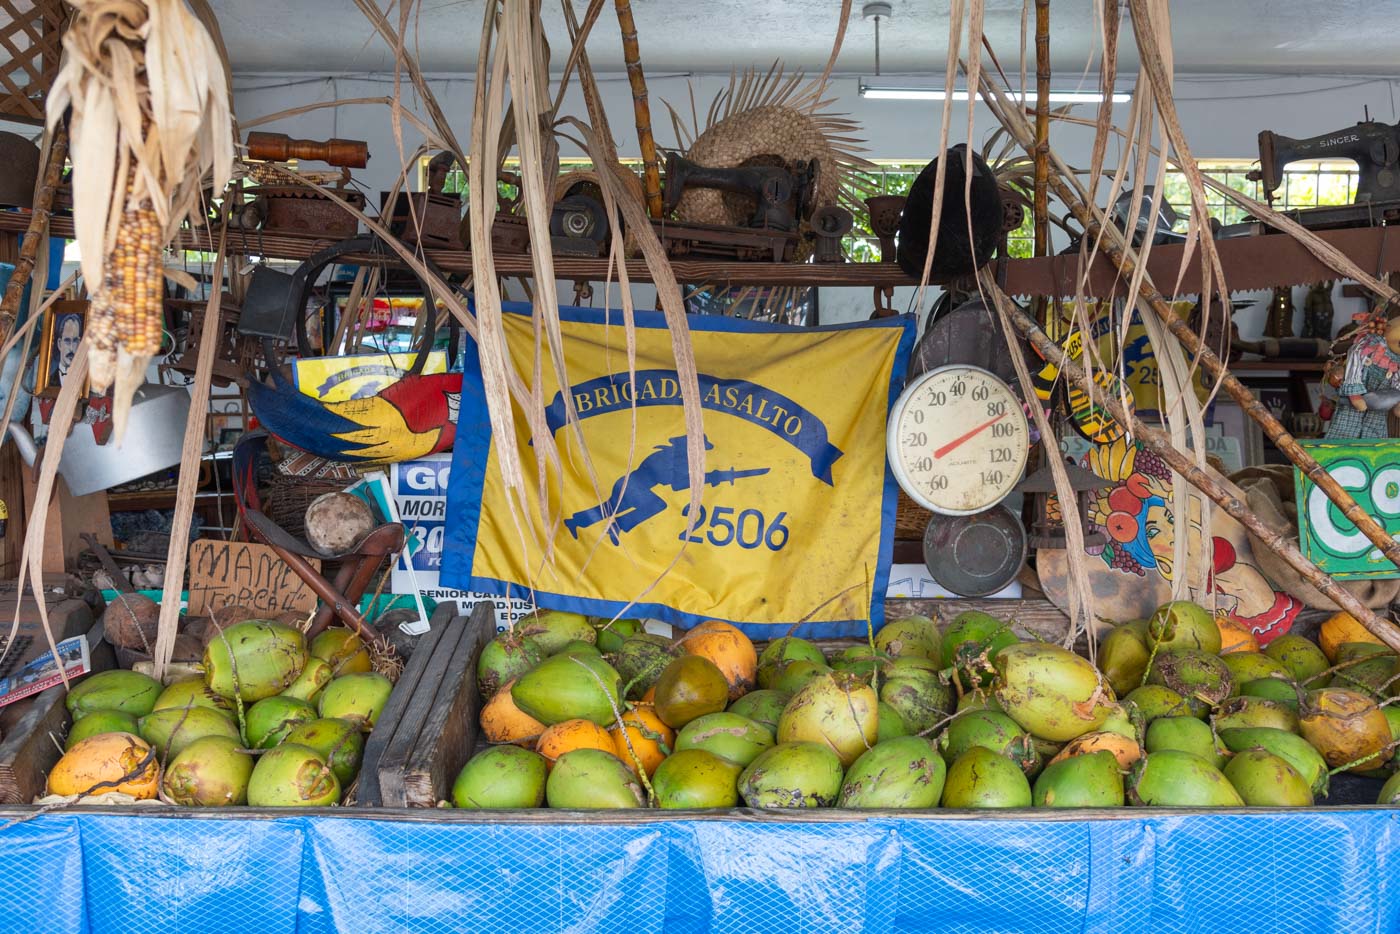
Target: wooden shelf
1278 366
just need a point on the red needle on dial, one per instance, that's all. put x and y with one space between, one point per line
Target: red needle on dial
959 441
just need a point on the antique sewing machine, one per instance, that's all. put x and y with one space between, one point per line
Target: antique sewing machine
781 198
1374 147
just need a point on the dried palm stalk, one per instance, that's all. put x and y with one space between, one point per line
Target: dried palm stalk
148 88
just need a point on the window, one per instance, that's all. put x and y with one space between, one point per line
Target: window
1310 184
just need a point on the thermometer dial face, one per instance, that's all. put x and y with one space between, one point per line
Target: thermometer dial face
958 440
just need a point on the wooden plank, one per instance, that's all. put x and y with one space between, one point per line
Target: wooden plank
35 729
1040 619
449 730
369 793
421 703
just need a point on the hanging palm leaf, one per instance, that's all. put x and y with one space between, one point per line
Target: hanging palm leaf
148 88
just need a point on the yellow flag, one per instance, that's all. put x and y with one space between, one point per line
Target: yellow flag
797 504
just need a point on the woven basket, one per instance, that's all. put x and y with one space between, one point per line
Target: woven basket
910 519
285 499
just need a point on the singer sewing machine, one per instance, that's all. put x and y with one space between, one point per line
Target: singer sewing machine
781 197
1374 147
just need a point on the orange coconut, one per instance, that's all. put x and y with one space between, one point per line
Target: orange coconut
503 722
1339 628
107 762
1124 749
730 650
1234 637
651 739
570 735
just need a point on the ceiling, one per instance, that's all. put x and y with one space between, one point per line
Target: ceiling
1236 36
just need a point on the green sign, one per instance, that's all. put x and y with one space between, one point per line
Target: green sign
1370 471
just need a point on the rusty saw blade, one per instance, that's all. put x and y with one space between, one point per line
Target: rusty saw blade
1263 261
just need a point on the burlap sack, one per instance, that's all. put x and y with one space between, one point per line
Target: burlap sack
1270 493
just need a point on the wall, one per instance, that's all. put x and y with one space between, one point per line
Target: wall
1221 116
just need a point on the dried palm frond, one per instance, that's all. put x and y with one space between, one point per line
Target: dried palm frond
771 114
148 88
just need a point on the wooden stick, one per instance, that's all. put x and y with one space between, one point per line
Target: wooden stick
1157 441
1041 206
37 232
1113 245
631 53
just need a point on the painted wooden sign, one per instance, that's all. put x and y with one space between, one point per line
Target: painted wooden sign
245 574
1370 471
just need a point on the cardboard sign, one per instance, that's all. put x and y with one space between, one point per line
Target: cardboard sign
248 575
1370 471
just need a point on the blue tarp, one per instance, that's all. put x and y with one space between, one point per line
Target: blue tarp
1296 871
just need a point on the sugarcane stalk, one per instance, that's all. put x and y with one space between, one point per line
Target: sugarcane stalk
1112 244
37 232
1041 205
1205 480
641 109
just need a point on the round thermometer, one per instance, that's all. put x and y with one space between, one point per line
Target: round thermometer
958 440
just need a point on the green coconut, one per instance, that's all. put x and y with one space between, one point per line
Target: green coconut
117 689
1123 657
554 629
910 635
210 772
797 675
339 742
1184 734
312 680
1155 700
990 730
1050 691
971 643
980 778
254 659
97 722
792 775
891 724
1273 689
292 776
1290 747
171 730
917 691
978 700
1301 657
192 692
690 687
640 661
777 654
1390 791
1174 779
1182 624
1200 678
1246 712
1091 780
905 772
1251 666
762 707
1266 780
565 687
837 710
727 735
857 660
1369 668
359 698
589 779
269 721
504 658
343 650
1125 720
613 632
580 648
506 776
696 778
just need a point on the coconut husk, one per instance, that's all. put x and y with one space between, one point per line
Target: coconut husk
1270 492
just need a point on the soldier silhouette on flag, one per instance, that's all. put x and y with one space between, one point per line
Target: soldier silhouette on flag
632 501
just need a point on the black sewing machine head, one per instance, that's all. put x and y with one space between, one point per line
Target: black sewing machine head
781 197
1374 147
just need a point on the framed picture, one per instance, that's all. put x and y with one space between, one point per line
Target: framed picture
1232 422
64 326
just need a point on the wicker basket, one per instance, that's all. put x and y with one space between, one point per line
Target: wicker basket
285 499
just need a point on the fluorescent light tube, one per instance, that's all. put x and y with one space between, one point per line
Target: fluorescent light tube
896 93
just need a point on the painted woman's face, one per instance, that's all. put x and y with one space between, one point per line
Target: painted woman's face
1161 538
